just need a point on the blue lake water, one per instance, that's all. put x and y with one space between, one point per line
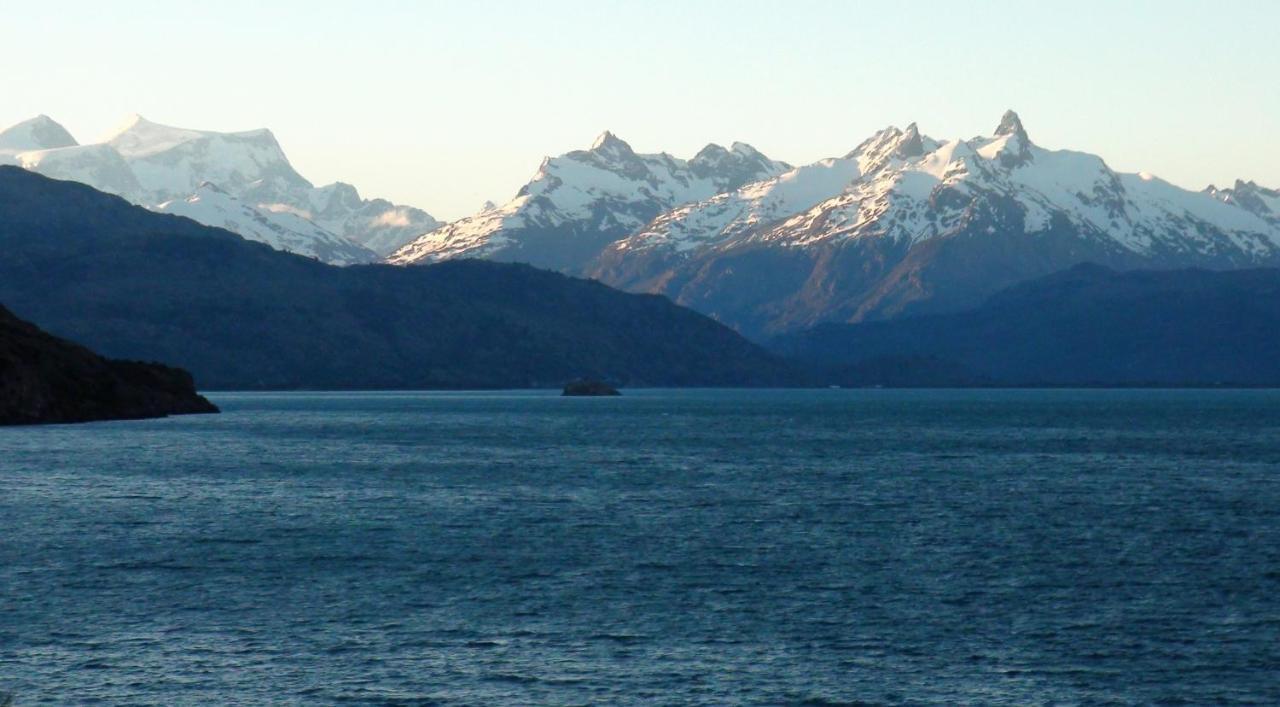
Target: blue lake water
668 547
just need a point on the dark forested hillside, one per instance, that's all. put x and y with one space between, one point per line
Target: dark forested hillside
1087 326
135 284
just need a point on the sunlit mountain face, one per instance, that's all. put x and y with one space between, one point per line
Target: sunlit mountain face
239 181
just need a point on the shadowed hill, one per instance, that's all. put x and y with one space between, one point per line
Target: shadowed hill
135 284
1088 326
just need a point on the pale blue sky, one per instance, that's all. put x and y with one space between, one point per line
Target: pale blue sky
446 104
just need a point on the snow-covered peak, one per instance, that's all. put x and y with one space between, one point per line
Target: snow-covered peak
581 201
889 145
1011 124
1010 146
154 164
731 168
903 186
376 224
171 162
906 224
711 152
910 144
38 133
1249 196
610 145
333 200
790 192
138 137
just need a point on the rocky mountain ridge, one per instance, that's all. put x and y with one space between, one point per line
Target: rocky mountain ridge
580 202
909 224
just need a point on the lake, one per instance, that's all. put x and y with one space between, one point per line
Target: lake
669 547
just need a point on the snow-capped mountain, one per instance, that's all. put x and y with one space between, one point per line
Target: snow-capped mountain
38 133
906 223
735 212
1259 201
582 201
212 206
173 162
96 165
376 224
259 194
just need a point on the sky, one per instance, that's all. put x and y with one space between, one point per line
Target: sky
443 105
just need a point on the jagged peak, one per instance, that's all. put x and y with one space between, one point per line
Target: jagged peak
1240 186
1011 124
1012 147
609 143
717 151
136 128
342 188
910 144
711 150
890 142
877 139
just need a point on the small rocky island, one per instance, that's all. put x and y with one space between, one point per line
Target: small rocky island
589 388
44 379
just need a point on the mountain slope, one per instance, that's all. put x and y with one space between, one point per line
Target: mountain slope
152 164
98 165
44 379
582 201
1087 326
38 133
922 225
136 284
284 230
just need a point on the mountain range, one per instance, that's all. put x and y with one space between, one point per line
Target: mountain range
581 202
902 224
239 181
140 285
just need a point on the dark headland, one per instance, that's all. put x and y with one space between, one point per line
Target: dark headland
44 379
